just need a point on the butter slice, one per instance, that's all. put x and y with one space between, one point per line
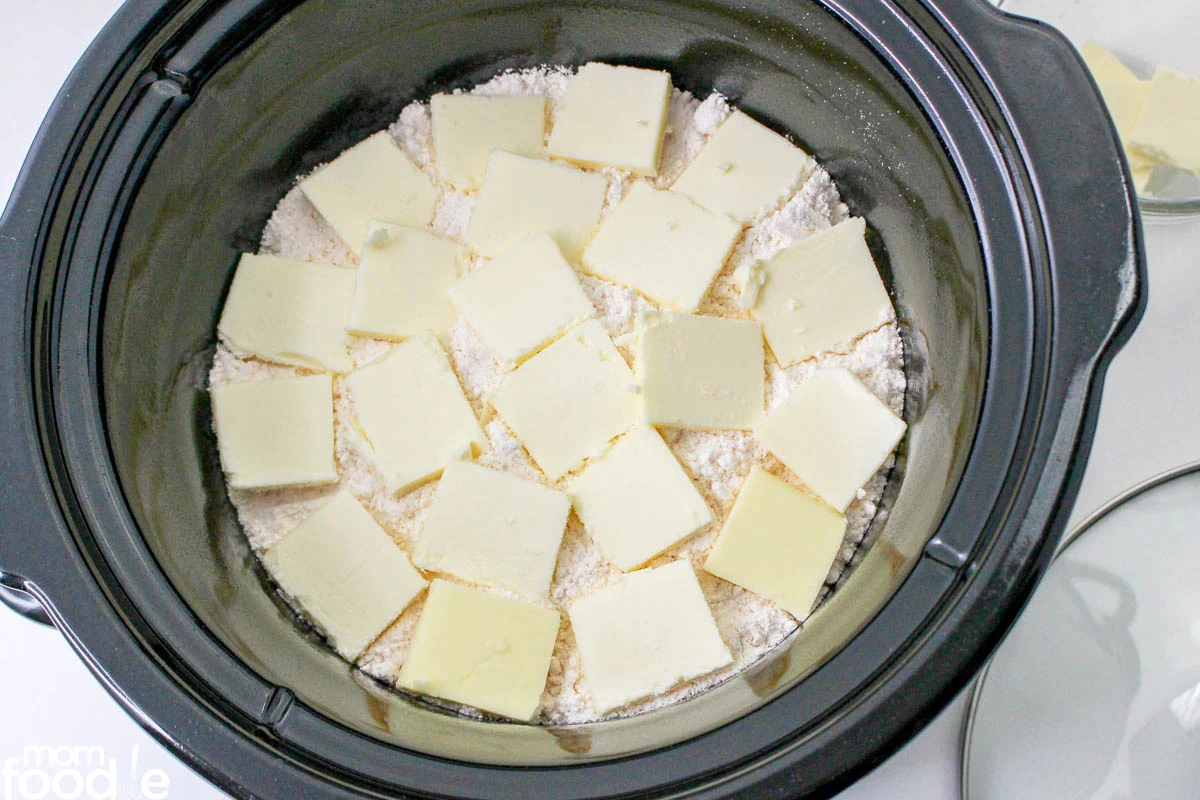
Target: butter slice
482 650
700 372
346 573
522 299
466 128
495 528
290 312
745 169
374 179
778 543
276 432
522 195
637 501
833 433
822 293
613 117
663 245
411 409
1168 129
1105 66
645 633
402 281
1125 100
570 400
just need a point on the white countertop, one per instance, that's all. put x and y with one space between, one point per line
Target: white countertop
1147 425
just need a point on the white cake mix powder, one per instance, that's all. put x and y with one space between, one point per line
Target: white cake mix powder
718 462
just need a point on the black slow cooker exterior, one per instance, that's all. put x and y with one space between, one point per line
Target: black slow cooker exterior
974 143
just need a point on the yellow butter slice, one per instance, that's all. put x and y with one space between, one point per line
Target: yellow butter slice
467 128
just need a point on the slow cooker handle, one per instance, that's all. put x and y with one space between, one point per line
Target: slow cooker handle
1077 169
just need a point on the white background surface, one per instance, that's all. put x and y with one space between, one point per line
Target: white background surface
49 698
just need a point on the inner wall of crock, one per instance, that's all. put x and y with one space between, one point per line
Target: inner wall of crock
334 71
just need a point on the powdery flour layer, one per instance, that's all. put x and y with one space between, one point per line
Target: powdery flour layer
718 462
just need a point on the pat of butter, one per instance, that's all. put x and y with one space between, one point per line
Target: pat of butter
744 170
778 543
821 293
637 501
833 433
290 312
276 432
402 281
1105 66
345 572
411 409
467 128
663 245
522 299
613 117
569 400
495 528
482 650
522 195
645 633
1125 100
1168 128
700 372
374 179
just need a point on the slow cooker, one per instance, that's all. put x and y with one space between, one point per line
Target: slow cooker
974 143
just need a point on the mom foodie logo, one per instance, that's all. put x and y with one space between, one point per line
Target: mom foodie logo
79 772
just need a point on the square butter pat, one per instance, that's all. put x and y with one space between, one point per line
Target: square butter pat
821 293
482 650
1125 100
1105 66
522 299
570 400
700 372
522 195
495 528
410 408
1168 128
645 633
778 542
745 169
374 179
345 572
467 128
833 433
637 501
276 432
612 117
402 281
289 312
663 245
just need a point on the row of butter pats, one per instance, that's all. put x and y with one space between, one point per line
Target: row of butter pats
568 397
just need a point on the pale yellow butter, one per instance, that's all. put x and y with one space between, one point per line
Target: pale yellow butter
821 294
482 650
778 543
645 633
522 299
492 527
374 179
745 169
276 432
568 401
700 372
402 280
636 501
466 128
290 312
1125 100
833 433
410 407
346 573
613 117
663 245
1105 66
1168 129
522 195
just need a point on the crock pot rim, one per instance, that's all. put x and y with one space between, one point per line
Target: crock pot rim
944 559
